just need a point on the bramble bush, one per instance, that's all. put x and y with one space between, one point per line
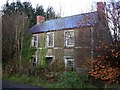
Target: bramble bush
49 72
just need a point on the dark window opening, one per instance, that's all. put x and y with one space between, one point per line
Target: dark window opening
34 61
48 60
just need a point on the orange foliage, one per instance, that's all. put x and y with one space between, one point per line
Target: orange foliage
107 66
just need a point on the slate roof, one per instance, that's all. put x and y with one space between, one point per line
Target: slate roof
81 20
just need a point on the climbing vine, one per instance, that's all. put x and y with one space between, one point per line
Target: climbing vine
27 50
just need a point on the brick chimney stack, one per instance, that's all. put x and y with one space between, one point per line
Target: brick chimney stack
40 19
101 9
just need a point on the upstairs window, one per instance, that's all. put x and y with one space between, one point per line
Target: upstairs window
50 39
69 38
34 40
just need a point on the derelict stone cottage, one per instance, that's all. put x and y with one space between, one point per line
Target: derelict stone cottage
71 39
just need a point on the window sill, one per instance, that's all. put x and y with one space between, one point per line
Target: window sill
34 46
68 46
49 47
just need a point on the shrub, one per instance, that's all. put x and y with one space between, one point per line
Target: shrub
50 72
107 65
57 66
72 80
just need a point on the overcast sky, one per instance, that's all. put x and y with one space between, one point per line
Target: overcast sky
67 7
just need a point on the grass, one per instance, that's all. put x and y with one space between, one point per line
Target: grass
28 80
47 84
62 83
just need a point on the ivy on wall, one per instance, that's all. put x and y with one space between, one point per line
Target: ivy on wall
27 50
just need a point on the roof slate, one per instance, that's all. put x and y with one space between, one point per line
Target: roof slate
81 20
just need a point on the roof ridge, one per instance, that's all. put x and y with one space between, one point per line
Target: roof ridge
71 16
74 21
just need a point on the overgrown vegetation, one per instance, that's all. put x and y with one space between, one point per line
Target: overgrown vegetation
17 18
42 54
27 50
52 76
107 65
73 80
65 80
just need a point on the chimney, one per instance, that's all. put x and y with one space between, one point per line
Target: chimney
101 9
40 19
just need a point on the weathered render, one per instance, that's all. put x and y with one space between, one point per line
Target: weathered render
70 39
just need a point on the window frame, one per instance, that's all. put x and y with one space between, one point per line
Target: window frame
50 56
66 41
70 59
34 41
48 40
34 56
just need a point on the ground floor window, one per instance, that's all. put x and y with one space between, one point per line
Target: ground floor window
48 59
69 62
34 60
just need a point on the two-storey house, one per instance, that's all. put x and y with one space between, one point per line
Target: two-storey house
71 39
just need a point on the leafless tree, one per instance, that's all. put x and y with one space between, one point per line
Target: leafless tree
113 17
12 30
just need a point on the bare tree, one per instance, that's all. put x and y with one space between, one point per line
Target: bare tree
113 17
12 30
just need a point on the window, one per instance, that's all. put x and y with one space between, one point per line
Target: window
34 60
50 39
48 59
69 61
34 40
69 38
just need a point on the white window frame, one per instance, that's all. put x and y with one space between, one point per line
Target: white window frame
48 39
33 40
34 56
70 59
66 41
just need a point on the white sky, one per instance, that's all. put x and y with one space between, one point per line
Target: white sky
67 7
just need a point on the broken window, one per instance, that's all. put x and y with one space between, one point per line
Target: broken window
69 38
50 39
